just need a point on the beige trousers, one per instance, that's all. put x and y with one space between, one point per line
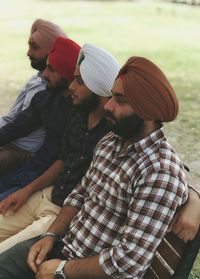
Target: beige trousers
32 219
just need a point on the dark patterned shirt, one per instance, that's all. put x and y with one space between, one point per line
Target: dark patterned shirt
77 151
126 201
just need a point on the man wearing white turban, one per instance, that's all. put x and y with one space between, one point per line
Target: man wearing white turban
34 207
42 37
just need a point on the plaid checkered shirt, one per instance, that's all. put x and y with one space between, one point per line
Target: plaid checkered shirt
126 201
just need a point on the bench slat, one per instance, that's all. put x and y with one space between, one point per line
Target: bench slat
176 242
169 254
159 269
150 274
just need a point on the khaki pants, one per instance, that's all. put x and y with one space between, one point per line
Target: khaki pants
11 157
31 220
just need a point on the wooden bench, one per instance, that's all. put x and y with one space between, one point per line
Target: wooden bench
174 258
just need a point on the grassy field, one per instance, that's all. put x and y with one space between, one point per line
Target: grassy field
169 34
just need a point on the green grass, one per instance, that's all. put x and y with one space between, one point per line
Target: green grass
169 34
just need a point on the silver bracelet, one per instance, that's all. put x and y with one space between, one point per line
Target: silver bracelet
53 234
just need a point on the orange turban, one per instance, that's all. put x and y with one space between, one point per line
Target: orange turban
148 90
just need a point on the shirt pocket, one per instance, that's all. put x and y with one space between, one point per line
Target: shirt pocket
113 193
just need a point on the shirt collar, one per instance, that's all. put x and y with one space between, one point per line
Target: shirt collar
148 142
39 74
151 140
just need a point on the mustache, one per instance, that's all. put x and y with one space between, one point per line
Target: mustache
109 114
72 92
32 59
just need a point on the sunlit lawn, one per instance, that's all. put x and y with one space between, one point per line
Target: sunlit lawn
169 34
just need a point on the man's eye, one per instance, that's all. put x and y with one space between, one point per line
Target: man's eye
34 47
121 101
80 81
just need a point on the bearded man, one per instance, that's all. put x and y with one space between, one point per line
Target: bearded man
51 109
42 36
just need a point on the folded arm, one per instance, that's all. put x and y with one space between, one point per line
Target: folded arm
25 122
187 220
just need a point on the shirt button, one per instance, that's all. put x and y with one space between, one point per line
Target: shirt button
68 171
87 134
82 157
61 187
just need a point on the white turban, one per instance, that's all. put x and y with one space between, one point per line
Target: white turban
98 69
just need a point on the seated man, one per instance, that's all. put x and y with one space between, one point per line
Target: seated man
113 221
51 109
42 37
84 131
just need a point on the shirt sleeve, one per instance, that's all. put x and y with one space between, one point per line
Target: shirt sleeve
14 110
25 122
34 85
150 212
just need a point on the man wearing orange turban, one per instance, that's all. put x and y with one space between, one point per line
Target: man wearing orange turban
148 91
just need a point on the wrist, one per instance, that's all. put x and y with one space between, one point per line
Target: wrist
55 236
29 189
61 272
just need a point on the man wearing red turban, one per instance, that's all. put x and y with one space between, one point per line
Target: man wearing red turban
51 109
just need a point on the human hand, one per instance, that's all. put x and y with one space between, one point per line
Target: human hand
186 222
14 201
39 251
47 269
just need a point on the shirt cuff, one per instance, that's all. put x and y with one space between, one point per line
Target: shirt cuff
195 190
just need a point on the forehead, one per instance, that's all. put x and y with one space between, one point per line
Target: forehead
77 71
32 42
118 87
49 66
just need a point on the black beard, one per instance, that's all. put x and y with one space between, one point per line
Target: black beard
39 65
60 86
90 104
127 127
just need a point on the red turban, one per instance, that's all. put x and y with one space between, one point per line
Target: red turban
63 57
148 90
